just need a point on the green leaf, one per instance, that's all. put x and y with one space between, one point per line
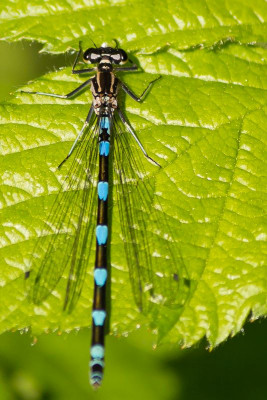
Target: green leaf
204 121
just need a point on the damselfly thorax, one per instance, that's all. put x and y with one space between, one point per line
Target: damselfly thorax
104 87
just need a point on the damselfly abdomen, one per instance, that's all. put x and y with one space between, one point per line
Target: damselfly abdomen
157 273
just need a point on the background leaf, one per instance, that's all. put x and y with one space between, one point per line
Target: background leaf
56 367
204 121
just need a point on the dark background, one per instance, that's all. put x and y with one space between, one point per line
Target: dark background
56 367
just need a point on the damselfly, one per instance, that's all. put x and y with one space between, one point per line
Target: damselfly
157 273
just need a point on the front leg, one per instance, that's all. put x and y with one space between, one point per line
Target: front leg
80 71
133 67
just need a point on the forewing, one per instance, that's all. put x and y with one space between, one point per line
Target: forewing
66 240
157 272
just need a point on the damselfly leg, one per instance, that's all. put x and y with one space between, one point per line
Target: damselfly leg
133 95
62 96
130 129
80 71
85 125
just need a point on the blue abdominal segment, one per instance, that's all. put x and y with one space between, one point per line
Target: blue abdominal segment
100 275
99 317
101 234
102 189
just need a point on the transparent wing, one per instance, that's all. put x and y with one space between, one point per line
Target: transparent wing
157 272
66 240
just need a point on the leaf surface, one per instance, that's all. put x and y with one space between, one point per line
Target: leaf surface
204 121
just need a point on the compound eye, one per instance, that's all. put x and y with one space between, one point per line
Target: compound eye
124 56
116 58
91 56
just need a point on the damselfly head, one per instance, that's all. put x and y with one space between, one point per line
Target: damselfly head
105 54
